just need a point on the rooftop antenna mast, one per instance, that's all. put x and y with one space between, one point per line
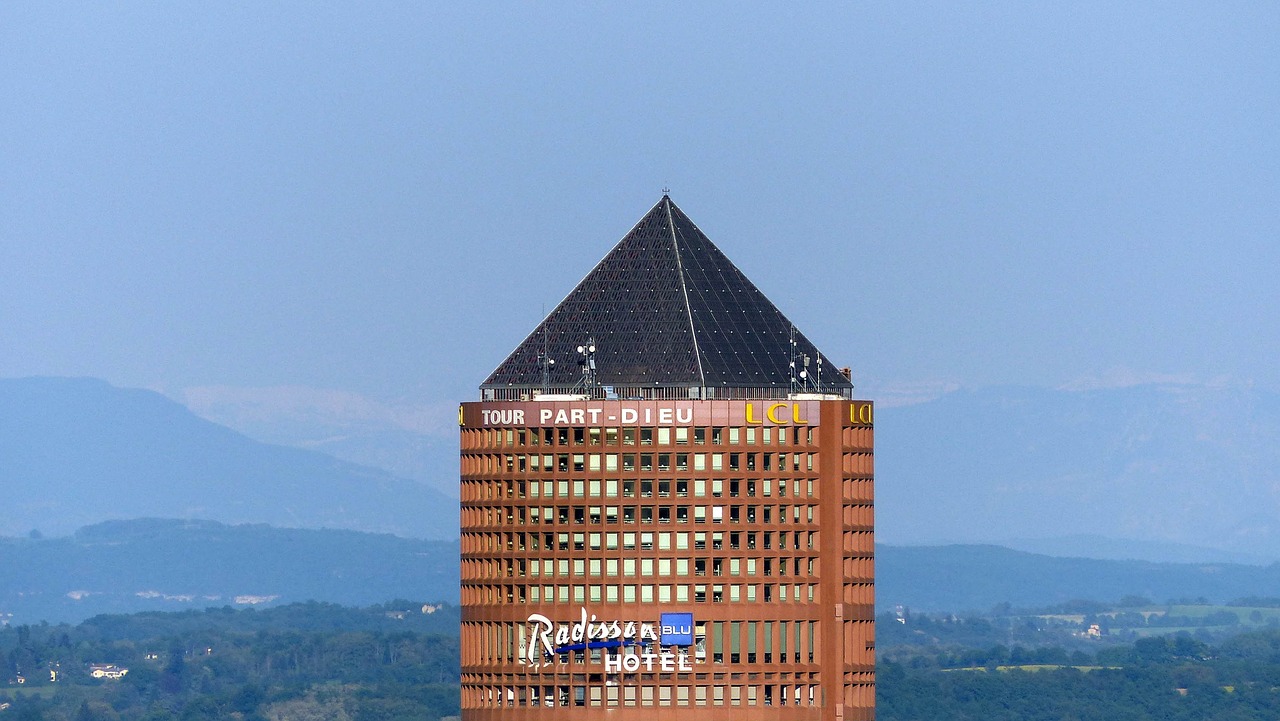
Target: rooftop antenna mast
544 360
800 381
588 364
795 383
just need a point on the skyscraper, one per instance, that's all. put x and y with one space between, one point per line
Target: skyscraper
667 505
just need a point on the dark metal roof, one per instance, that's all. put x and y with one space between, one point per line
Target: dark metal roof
665 308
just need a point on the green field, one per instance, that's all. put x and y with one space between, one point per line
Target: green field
1031 667
1161 619
24 691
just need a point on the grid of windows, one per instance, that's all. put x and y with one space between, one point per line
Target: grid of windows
764 533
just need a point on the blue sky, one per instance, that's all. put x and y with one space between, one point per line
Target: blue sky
375 202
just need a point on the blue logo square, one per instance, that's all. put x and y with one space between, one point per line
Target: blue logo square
676 629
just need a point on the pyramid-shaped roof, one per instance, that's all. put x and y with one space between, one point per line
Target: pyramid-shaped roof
666 309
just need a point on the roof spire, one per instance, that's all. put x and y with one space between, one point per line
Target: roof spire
670 316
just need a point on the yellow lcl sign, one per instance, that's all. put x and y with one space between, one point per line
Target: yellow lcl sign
772 414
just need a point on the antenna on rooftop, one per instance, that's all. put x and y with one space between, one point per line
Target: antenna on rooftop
588 364
801 382
544 360
795 385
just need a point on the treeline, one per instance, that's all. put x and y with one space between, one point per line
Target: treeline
1169 678
398 615
399 661
294 662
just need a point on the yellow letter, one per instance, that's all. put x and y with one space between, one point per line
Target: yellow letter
795 415
772 408
750 418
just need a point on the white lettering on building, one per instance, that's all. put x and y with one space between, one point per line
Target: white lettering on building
509 417
665 661
626 646
548 638
549 416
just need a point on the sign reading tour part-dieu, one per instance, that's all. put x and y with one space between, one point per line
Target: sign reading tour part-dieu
626 646
532 414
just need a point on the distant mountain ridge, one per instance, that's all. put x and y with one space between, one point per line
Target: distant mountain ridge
1162 472
976 578
1158 472
413 441
1115 549
76 451
1192 465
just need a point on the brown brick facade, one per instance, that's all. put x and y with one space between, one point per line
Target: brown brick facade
753 517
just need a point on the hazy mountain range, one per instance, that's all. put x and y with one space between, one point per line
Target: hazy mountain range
74 452
1189 465
1170 472
410 440
1161 472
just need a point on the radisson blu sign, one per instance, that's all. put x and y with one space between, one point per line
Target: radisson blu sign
627 646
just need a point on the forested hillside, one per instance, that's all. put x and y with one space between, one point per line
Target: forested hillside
399 661
392 662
